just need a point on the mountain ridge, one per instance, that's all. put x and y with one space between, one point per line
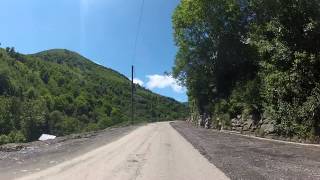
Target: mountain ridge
61 92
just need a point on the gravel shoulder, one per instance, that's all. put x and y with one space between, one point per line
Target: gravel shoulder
36 156
241 157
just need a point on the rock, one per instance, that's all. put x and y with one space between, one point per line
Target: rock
208 123
247 125
238 129
236 122
12 147
268 128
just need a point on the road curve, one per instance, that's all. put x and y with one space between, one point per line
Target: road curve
152 152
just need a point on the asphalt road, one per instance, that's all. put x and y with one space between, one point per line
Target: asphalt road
151 152
241 157
168 151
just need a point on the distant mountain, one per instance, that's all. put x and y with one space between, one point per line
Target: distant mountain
61 92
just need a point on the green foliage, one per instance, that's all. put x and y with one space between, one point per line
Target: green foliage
70 125
17 136
54 123
104 122
288 42
252 57
212 57
31 93
6 87
33 119
60 92
4 139
5 122
91 127
245 99
224 120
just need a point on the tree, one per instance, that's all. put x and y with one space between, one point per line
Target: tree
252 57
32 93
70 125
33 119
54 123
5 123
6 88
288 37
213 55
45 77
104 122
16 112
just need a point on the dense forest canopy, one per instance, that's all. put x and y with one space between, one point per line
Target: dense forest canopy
60 92
257 58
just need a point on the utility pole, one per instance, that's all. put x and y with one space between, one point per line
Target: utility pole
132 91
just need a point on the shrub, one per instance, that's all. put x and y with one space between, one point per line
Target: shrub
104 122
17 137
70 125
4 139
91 127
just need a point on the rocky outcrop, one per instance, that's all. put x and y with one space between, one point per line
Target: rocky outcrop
252 125
249 125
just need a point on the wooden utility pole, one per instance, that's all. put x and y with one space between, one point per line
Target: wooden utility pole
132 91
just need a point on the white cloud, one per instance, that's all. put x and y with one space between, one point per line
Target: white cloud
138 81
163 81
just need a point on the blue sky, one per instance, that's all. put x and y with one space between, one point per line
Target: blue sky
101 30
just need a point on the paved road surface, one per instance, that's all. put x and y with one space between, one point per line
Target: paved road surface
36 156
248 158
151 152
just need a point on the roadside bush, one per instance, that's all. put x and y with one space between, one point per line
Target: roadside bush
116 116
33 119
70 125
91 127
104 122
17 136
222 120
221 107
4 139
54 122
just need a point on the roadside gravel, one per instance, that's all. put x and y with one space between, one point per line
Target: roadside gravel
241 157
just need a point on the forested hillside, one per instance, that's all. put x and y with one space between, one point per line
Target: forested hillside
252 65
60 92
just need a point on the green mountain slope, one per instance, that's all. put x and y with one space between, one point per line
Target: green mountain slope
61 92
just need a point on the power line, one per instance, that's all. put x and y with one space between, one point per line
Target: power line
138 32
133 59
